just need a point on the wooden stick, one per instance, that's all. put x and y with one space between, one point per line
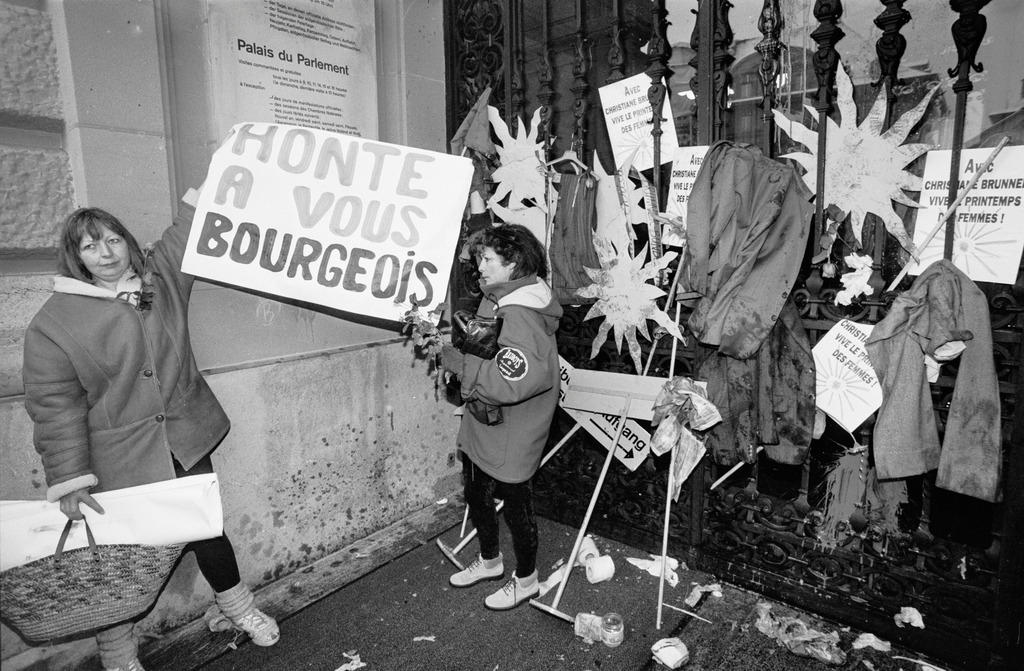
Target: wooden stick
465 519
690 613
553 608
733 470
952 208
668 493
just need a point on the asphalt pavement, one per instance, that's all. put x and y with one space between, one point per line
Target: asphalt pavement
404 616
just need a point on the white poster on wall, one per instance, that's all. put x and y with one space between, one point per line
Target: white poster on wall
309 63
989 231
629 119
685 165
335 220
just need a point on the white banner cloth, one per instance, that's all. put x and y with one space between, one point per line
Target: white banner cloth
163 513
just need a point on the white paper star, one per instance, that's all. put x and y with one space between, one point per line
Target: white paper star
521 173
864 166
625 298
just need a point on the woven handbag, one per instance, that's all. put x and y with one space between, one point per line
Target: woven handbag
84 589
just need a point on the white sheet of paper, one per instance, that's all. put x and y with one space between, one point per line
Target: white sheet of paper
685 164
629 119
989 232
848 390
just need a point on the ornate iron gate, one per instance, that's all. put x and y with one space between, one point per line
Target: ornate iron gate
957 560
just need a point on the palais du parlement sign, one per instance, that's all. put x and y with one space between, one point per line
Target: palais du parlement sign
336 220
306 63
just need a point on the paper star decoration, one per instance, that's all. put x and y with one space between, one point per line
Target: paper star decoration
521 173
625 298
864 170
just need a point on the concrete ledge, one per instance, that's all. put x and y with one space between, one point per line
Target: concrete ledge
193 644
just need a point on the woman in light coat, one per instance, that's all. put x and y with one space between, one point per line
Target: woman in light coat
115 396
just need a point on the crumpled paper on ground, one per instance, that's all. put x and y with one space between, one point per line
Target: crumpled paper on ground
909 615
653 566
871 641
794 634
694 596
671 652
356 663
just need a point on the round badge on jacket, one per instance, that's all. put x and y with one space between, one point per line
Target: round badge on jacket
512 364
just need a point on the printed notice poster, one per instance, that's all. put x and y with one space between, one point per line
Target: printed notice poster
628 116
634 444
335 220
848 390
685 164
989 232
309 63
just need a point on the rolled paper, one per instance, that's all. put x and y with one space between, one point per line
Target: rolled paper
588 550
600 568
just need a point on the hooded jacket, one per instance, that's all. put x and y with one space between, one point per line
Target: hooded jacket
114 392
522 379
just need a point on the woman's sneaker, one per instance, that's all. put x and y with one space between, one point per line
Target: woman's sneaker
480 569
134 665
262 628
514 592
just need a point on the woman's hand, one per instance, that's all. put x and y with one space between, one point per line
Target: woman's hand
69 504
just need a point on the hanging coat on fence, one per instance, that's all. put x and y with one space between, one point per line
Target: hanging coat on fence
943 306
572 238
748 221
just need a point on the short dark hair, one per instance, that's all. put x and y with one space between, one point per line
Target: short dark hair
88 221
514 243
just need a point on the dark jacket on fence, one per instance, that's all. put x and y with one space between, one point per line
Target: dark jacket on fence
748 221
114 392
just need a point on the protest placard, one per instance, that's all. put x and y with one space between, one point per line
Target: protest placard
989 229
634 445
685 165
848 390
629 119
335 220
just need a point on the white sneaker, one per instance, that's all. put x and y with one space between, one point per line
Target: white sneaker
514 592
480 569
134 665
216 620
262 628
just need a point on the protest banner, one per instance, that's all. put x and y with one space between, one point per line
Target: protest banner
629 119
989 235
848 390
685 165
334 220
634 445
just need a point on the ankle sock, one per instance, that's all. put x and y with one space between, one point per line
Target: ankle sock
235 602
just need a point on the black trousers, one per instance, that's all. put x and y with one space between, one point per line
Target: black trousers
215 556
480 490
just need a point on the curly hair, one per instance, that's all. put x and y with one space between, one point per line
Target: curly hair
88 221
515 244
